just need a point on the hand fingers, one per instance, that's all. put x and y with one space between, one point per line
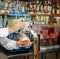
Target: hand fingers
22 25
21 20
19 44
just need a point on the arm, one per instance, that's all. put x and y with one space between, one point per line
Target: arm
9 44
6 31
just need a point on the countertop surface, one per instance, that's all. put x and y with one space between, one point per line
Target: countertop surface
21 53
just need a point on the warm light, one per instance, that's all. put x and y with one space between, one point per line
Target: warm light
51 34
56 34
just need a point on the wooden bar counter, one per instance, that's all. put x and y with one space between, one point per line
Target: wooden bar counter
42 54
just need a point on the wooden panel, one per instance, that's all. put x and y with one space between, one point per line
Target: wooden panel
57 0
2 56
51 55
21 57
44 14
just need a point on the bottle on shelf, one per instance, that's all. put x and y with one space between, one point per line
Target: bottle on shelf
25 6
11 5
56 38
31 6
58 9
28 7
45 7
44 39
51 39
42 20
42 8
53 10
55 7
49 7
34 7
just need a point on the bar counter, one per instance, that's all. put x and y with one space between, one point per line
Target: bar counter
43 54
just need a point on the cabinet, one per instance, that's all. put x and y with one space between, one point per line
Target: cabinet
45 43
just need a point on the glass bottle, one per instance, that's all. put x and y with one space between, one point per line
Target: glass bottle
49 7
42 8
55 7
37 6
53 10
45 7
11 5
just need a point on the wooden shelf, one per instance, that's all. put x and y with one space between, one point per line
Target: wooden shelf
3 13
44 14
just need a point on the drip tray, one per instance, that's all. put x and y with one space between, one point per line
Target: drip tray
49 47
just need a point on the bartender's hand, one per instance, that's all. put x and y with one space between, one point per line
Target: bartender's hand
20 44
18 25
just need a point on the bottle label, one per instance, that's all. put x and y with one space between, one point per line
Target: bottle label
49 8
45 8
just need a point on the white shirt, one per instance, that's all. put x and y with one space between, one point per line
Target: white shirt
5 42
4 32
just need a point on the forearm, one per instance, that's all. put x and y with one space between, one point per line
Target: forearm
8 44
11 45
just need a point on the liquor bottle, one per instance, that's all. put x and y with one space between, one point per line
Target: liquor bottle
22 7
45 43
42 8
56 38
53 10
42 20
31 6
49 7
37 6
17 5
11 5
46 19
51 39
6 5
25 6
58 9
45 7
55 7
34 7
28 7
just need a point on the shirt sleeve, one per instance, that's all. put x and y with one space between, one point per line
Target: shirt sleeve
7 43
4 32
11 45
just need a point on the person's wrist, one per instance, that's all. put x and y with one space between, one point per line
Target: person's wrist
9 30
18 44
